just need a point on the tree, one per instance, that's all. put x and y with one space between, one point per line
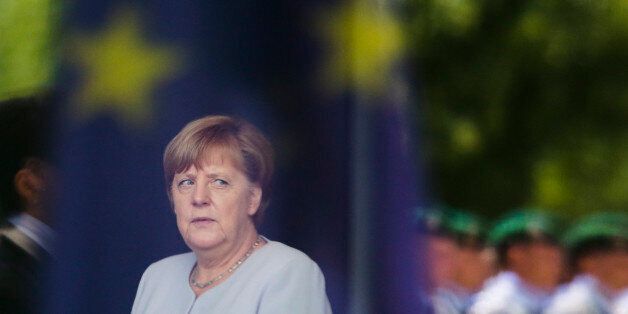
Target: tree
524 102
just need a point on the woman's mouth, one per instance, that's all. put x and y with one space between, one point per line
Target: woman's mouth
202 221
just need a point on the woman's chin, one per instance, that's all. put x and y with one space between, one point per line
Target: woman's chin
203 241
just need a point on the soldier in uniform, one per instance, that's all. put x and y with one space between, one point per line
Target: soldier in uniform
458 260
475 261
530 261
598 258
440 257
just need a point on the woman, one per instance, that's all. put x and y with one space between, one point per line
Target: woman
218 171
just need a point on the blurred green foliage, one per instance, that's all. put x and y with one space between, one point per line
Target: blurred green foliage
525 103
26 46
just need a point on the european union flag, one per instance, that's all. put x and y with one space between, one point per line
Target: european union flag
132 76
323 80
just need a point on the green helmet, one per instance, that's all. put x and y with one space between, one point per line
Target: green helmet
463 227
468 228
431 219
609 225
527 222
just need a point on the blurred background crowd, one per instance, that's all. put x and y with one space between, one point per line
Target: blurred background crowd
512 113
525 262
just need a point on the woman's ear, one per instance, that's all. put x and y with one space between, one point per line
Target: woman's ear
255 199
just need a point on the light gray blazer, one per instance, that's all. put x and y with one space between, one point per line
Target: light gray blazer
274 279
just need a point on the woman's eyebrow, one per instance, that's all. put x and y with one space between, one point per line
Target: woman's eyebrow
186 174
217 174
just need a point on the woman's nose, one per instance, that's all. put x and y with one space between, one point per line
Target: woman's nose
200 196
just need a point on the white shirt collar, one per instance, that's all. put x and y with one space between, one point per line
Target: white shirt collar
35 229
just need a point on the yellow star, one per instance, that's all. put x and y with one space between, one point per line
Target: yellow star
365 41
121 70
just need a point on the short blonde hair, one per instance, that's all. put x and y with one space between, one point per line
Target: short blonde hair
252 152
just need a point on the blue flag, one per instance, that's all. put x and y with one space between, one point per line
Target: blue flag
368 72
333 105
132 77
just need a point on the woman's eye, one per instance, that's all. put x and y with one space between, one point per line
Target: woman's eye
185 184
220 182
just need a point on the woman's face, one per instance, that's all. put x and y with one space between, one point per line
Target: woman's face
214 205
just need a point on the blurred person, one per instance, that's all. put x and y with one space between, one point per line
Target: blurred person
218 172
598 257
475 261
26 236
440 245
440 255
530 261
